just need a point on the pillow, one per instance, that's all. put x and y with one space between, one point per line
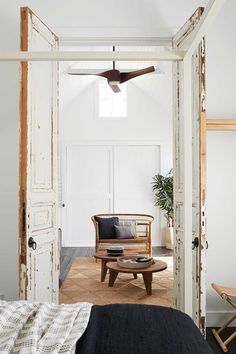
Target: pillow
123 232
131 223
106 227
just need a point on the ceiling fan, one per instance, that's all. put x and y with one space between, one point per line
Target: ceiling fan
115 77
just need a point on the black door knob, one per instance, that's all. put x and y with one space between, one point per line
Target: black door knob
195 243
32 244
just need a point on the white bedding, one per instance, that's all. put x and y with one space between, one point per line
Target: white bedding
32 328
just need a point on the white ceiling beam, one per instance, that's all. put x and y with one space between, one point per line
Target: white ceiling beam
117 41
211 11
170 55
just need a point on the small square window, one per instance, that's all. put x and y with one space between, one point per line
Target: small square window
111 104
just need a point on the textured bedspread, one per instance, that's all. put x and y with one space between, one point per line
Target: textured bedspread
34 328
140 329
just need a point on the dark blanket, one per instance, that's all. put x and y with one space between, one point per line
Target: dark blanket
140 329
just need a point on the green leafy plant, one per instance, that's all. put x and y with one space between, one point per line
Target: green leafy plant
163 188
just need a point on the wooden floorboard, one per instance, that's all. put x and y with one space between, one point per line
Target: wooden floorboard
215 346
83 283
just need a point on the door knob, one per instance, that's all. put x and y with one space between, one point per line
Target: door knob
195 243
32 244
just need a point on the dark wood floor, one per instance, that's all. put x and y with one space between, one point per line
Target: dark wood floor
215 346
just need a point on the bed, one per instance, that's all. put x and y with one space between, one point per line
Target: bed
84 328
140 329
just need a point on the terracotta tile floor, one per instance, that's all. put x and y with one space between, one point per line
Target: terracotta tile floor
83 284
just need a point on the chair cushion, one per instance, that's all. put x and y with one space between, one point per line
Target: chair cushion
124 232
106 227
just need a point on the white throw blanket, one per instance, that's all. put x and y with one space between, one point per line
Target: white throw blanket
35 328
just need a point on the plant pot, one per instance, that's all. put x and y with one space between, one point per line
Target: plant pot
169 237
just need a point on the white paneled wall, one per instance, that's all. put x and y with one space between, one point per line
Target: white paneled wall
107 179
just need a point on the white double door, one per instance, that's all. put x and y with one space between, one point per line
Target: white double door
107 179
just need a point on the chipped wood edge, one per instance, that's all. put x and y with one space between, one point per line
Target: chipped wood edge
23 281
208 16
188 27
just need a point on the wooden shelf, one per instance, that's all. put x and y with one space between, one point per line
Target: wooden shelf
221 124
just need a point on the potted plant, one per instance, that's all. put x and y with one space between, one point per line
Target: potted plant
163 188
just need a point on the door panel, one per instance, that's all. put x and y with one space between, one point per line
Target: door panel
42 273
39 268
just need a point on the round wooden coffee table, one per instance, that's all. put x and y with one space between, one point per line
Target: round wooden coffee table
115 269
105 259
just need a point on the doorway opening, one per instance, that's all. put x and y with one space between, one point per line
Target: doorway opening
38 214
108 159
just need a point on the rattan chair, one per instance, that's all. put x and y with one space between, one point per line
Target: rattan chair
226 294
141 243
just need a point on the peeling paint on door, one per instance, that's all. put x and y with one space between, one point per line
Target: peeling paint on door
38 226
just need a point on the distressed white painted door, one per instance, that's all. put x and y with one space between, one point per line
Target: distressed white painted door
195 292
38 228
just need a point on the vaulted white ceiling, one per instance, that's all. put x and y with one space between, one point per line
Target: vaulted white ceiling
108 17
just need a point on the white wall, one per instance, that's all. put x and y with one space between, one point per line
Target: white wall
149 117
221 191
220 69
221 226
9 125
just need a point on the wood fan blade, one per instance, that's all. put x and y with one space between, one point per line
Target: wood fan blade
111 75
127 76
115 88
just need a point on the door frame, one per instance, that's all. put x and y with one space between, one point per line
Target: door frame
199 32
190 286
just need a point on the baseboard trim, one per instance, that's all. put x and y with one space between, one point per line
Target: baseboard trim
217 318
